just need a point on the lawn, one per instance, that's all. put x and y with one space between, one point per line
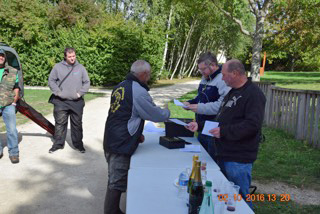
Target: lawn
38 99
281 158
296 80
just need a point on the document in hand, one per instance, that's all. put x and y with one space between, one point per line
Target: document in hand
178 103
179 122
208 126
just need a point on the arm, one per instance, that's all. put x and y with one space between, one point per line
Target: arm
52 82
212 108
16 95
251 124
85 83
147 110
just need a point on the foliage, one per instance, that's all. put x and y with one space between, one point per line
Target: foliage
292 41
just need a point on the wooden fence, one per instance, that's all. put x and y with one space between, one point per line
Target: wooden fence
295 111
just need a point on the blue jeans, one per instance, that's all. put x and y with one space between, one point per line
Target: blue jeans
239 174
9 118
207 142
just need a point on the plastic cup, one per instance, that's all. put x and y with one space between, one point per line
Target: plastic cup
234 197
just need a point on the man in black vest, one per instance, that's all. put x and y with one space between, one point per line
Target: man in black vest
130 106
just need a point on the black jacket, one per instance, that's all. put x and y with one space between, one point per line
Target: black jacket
240 120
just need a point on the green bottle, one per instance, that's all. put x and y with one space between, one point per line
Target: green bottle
191 178
196 191
207 204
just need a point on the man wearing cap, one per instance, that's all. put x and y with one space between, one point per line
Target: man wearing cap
9 95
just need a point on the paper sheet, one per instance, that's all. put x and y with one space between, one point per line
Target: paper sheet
191 148
178 103
178 122
150 127
208 126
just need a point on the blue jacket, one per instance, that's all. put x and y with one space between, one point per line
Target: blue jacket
211 92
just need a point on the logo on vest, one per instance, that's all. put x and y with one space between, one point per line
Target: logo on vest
117 96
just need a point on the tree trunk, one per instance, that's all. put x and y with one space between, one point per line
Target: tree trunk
166 44
183 49
257 48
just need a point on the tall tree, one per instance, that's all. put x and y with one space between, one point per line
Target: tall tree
259 8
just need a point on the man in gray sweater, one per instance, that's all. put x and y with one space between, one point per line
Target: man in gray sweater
68 81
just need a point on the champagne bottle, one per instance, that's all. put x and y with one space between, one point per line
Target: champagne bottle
196 191
207 205
191 178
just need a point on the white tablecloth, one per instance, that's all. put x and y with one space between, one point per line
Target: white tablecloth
152 191
152 154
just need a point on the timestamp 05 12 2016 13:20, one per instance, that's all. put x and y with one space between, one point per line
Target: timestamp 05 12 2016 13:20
257 197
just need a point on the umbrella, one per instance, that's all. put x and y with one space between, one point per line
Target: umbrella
25 109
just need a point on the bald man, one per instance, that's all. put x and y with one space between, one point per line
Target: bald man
240 120
130 106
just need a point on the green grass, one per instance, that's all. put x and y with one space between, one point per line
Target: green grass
267 206
280 158
296 80
38 99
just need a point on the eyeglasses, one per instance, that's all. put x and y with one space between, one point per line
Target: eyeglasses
201 70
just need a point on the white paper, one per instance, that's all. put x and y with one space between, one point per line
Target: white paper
191 148
150 127
179 122
208 126
178 103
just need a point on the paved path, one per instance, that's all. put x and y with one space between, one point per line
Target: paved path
65 182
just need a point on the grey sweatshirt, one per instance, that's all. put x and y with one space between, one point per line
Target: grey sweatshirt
77 82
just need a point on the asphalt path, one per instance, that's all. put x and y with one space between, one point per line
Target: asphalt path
65 181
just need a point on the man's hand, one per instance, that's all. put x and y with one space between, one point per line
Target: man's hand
215 132
186 103
193 107
78 95
141 139
193 126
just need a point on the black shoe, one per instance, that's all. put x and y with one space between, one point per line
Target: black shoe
1 155
14 159
81 150
53 149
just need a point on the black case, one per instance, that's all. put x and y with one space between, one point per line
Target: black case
171 142
176 130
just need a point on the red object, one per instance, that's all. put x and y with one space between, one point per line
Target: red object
25 109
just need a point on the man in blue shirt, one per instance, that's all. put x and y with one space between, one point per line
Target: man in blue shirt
211 92
9 95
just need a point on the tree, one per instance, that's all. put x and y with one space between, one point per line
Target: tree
259 8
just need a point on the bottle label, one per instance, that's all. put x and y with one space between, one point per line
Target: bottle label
183 182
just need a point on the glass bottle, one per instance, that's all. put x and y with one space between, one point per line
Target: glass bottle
196 191
191 178
207 203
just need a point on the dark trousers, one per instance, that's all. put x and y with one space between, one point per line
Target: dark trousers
61 115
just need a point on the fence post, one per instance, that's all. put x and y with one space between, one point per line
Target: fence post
301 116
269 103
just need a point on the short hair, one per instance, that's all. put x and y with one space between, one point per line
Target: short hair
207 58
140 66
68 50
236 65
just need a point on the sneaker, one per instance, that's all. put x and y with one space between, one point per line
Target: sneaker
1 155
82 150
53 149
14 159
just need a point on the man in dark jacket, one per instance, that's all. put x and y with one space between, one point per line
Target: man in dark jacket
130 105
68 99
9 95
240 119
211 92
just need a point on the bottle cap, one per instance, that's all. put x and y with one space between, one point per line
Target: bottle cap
208 183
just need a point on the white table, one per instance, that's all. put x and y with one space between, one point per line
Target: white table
152 190
151 154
